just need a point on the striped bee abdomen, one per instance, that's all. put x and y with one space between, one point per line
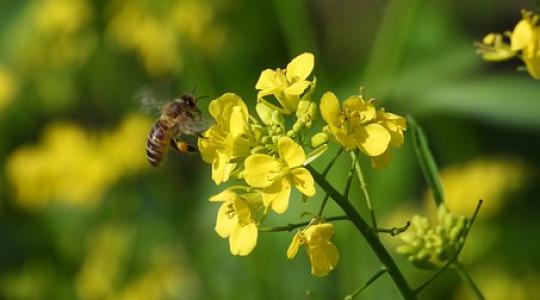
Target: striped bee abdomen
158 142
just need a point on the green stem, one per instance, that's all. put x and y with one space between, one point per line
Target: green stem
368 283
325 172
394 230
323 204
466 277
332 162
349 179
291 227
363 187
372 239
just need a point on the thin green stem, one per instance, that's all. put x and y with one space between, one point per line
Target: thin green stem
325 172
349 179
371 238
332 162
456 255
368 283
291 227
323 204
363 187
394 230
467 278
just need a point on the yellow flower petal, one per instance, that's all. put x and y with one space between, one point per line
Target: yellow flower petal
297 88
533 65
277 195
226 195
265 113
303 181
323 254
296 242
261 170
359 109
523 35
222 107
222 168
323 259
243 239
207 148
300 67
319 232
238 125
225 222
243 212
267 80
291 152
373 139
330 109
341 135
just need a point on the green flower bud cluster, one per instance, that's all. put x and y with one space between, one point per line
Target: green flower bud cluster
430 246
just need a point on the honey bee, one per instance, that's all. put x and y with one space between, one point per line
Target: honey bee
179 117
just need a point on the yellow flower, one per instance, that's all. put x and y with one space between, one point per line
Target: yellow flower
230 139
526 37
487 178
323 254
73 166
286 85
396 125
524 40
359 125
236 218
274 177
494 48
8 86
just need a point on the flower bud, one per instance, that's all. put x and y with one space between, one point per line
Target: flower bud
319 139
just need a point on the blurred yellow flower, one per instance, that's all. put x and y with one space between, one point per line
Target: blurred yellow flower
162 276
487 179
323 254
159 35
59 35
274 177
286 85
225 143
107 248
236 218
524 41
73 166
62 16
499 284
360 125
8 86
494 48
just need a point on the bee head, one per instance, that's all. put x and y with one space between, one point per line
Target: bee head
185 104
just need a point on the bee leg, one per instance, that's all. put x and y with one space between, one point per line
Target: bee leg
183 147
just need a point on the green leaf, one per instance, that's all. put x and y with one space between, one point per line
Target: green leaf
511 100
426 161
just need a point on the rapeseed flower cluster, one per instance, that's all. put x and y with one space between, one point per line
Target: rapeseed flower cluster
265 155
71 165
157 33
162 274
430 246
522 42
8 86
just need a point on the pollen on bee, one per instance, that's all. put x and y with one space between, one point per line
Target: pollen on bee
184 147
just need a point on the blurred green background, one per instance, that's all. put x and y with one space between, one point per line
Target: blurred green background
83 216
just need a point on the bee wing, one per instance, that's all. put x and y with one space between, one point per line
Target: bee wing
152 97
196 126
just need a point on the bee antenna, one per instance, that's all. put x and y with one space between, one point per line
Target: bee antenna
202 97
194 89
